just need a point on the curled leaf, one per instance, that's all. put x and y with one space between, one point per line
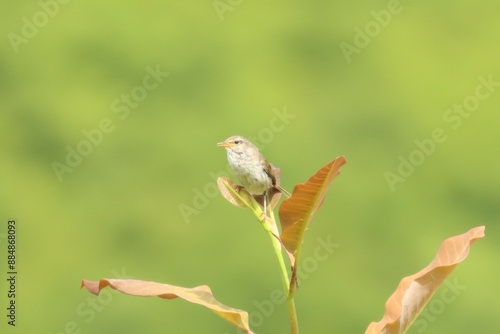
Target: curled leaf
415 291
201 295
234 194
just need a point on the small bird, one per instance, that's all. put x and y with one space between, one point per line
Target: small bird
252 169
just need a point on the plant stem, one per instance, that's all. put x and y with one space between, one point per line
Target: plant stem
293 315
272 228
273 233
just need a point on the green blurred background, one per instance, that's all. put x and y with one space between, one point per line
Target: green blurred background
141 202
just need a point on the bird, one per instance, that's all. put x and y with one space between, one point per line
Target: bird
250 167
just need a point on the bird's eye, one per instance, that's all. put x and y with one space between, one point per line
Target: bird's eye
237 142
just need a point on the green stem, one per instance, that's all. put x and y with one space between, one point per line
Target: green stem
293 315
273 232
272 228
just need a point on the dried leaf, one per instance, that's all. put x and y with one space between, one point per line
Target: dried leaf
415 291
234 194
198 295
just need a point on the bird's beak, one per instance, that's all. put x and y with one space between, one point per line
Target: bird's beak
224 144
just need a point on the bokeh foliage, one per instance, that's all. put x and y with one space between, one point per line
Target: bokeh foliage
119 210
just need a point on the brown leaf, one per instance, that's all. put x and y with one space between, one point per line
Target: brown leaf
274 193
297 211
198 295
415 291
